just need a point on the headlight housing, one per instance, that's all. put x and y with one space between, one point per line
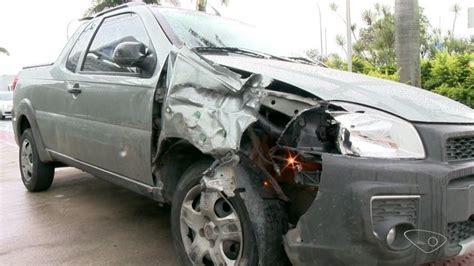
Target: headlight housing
378 135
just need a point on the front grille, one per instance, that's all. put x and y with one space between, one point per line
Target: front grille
384 209
460 231
460 148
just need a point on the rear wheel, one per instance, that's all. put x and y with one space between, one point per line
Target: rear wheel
211 229
36 175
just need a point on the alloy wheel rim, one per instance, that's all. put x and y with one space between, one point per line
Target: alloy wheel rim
211 229
27 160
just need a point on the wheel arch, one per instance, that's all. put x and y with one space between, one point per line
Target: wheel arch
25 118
177 155
23 124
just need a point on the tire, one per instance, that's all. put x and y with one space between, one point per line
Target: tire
36 175
260 224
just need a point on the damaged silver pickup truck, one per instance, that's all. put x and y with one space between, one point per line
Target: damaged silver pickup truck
265 158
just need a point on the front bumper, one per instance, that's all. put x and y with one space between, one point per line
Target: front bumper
342 227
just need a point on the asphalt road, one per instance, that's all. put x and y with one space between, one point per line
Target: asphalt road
79 220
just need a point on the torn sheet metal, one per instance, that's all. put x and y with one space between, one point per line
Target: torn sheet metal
286 103
221 175
209 105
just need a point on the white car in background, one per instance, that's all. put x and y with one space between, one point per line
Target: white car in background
6 104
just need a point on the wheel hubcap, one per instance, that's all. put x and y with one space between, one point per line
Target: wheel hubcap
26 160
210 229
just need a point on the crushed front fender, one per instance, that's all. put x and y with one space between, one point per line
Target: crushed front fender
208 105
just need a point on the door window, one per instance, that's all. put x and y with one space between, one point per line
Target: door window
79 47
113 31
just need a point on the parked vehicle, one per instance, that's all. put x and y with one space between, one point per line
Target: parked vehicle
6 104
265 157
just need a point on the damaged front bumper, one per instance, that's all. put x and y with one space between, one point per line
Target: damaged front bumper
360 200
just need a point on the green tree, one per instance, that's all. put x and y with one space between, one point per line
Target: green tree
451 75
376 37
376 40
447 65
341 41
450 70
4 51
425 35
425 70
335 61
314 54
436 43
458 45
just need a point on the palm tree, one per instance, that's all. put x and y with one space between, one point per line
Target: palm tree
407 41
368 17
334 8
340 41
456 8
4 51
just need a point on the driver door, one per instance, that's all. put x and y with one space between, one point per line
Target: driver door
110 108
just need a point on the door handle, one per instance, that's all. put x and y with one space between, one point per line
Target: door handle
75 89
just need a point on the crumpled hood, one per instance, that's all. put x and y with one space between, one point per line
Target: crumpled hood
409 102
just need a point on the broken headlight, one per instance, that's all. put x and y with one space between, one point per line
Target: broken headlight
379 136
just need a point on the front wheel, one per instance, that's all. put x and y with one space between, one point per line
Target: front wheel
211 229
36 175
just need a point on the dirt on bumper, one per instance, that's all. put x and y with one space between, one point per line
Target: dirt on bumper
341 226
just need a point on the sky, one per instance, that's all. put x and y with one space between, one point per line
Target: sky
35 32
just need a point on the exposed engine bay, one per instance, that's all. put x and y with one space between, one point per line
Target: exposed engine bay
281 131
228 113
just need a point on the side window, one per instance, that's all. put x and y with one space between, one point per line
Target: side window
79 46
113 31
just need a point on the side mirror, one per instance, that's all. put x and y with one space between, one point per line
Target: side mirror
130 54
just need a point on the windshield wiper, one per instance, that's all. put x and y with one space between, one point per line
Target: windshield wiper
237 50
305 60
243 51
